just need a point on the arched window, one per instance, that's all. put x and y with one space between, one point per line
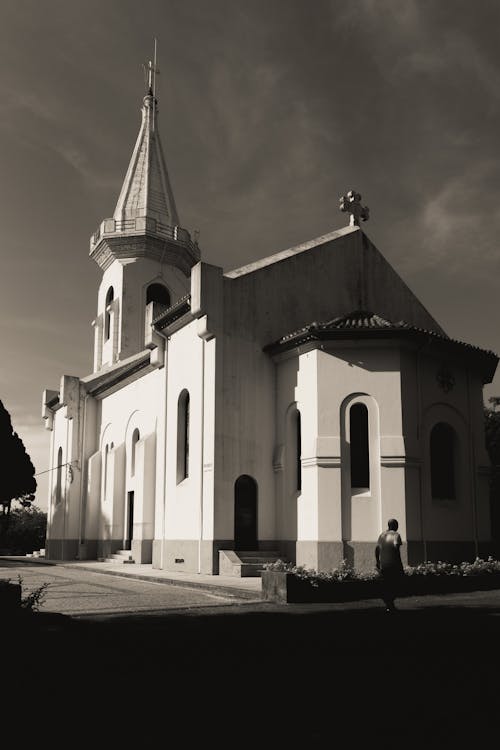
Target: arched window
107 315
360 451
59 476
105 471
298 434
442 447
135 439
158 293
183 436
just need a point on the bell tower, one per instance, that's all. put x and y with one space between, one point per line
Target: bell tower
144 253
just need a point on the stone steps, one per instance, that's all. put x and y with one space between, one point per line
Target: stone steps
246 563
36 553
120 557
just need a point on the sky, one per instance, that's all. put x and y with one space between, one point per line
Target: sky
269 111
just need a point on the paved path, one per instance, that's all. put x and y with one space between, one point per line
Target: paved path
90 588
98 588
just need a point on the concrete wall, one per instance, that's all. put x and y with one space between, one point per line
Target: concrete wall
137 406
188 511
64 509
342 273
130 279
446 528
334 519
262 302
404 401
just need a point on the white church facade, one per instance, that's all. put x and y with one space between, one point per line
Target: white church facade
290 406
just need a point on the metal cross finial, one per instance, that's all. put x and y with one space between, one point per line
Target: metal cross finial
150 73
351 203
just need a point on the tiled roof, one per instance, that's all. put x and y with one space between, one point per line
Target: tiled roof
363 323
360 319
146 190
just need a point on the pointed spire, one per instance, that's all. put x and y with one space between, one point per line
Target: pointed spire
146 190
145 222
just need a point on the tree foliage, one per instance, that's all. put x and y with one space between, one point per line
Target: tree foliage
492 436
17 480
25 531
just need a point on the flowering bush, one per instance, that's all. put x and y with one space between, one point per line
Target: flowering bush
346 572
478 567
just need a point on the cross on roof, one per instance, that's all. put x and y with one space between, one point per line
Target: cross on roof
151 71
351 203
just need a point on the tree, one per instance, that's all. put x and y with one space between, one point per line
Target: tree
492 436
25 531
17 480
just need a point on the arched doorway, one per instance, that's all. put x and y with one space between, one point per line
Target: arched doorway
130 521
245 513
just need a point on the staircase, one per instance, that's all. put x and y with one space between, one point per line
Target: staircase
36 553
248 564
121 557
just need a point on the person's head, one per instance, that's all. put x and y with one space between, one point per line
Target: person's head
392 524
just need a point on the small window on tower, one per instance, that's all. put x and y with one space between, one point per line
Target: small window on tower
107 315
59 476
158 293
183 436
135 439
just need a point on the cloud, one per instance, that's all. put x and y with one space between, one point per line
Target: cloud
457 227
92 176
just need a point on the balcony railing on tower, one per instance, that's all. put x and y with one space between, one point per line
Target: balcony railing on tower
143 225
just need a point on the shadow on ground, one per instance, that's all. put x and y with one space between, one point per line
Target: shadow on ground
302 675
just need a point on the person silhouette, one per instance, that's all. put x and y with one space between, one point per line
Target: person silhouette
388 562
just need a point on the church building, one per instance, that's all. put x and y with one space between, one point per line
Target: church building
287 408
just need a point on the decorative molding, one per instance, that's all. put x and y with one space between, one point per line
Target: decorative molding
323 462
445 378
400 461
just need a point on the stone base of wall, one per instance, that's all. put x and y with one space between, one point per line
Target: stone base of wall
186 554
324 556
183 554
445 551
189 555
320 556
88 550
62 549
107 547
142 550
287 548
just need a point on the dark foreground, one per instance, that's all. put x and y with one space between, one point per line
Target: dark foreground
299 675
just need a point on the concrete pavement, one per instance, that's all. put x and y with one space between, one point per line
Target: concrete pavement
246 588
91 588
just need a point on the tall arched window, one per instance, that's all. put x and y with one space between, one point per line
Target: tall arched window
105 471
135 439
443 447
158 293
183 436
298 433
59 476
107 315
360 450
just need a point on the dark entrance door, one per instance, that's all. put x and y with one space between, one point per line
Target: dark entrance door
245 513
130 521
